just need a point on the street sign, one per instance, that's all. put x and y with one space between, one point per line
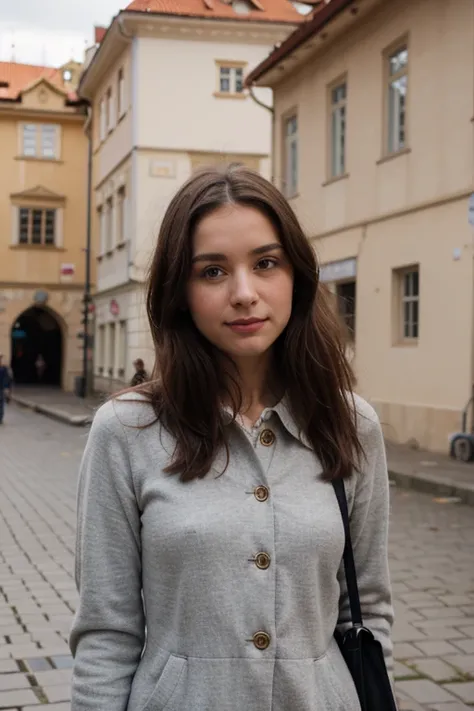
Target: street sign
471 210
114 308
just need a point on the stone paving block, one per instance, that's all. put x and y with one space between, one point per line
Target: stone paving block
18 651
63 661
425 691
436 669
55 677
16 698
455 600
465 691
8 682
464 662
405 650
467 645
50 707
446 613
401 671
57 693
436 648
441 633
455 706
405 632
7 666
20 638
37 664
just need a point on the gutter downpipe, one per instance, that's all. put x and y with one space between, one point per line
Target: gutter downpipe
272 138
85 389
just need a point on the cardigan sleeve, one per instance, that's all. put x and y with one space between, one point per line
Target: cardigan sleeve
369 522
108 632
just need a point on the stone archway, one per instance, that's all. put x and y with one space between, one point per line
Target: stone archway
37 332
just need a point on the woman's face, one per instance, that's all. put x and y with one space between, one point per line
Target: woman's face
241 285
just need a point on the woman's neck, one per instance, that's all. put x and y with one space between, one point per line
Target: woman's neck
258 387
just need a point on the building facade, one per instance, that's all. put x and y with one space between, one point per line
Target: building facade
43 191
167 96
374 109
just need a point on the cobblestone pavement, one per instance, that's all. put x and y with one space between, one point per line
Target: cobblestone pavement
431 556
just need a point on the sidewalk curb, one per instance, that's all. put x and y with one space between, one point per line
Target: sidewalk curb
431 484
54 413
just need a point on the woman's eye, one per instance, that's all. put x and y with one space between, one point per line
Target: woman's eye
212 272
266 263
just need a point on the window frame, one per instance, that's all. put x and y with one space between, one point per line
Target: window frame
233 67
102 120
121 103
404 299
392 148
121 216
110 110
30 240
288 187
341 81
39 131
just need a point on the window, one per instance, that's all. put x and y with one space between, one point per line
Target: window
29 139
110 110
122 348
338 130
231 79
100 351
109 225
397 99
112 349
121 216
346 298
409 302
290 158
36 226
102 228
102 120
121 93
40 140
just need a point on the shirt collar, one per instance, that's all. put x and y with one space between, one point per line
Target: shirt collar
282 409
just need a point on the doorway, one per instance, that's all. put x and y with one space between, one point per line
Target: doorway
37 348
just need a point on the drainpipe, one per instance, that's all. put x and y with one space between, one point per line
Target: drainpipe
87 285
272 139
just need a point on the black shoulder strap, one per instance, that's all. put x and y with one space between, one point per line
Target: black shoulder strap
349 565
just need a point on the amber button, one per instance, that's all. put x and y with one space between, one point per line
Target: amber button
267 438
261 493
262 561
261 640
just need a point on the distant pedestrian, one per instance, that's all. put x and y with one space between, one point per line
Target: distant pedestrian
40 366
5 387
141 376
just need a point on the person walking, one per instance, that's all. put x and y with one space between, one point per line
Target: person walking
140 376
210 541
5 387
40 365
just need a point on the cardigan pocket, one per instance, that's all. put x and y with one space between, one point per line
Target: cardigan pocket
167 684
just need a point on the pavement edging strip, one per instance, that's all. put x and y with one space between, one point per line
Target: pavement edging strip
54 413
431 485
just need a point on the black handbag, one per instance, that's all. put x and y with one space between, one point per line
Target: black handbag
362 653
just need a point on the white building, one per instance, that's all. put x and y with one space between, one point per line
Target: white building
167 95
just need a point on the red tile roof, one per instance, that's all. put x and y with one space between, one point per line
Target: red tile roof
321 15
15 78
99 34
262 10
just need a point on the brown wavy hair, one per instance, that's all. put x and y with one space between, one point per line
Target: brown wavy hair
188 382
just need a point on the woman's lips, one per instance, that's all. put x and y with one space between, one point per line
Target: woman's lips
247 325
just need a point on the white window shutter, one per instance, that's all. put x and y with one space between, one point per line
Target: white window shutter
15 225
59 227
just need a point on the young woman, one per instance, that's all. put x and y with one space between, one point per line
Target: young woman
210 542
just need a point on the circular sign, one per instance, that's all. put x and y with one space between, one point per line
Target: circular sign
114 308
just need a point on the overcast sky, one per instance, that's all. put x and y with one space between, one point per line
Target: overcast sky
51 31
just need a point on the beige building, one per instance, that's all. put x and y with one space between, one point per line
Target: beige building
374 109
167 95
43 189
